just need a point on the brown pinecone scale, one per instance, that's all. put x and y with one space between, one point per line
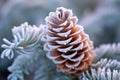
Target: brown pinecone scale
68 46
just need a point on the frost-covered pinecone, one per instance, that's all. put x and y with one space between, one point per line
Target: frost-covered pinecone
67 44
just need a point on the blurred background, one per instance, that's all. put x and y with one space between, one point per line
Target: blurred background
100 19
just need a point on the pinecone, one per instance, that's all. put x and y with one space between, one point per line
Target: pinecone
67 44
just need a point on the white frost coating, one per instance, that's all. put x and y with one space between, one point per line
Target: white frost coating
43 38
48 21
64 49
46 47
51 47
49 38
78 40
70 12
59 62
69 56
65 34
81 27
72 66
78 58
64 9
5 46
74 19
65 41
57 29
7 41
52 14
70 26
63 24
79 47
77 32
47 30
51 57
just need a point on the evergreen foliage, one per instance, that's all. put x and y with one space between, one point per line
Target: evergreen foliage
32 58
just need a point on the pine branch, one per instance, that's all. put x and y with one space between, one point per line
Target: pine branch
101 74
104 69
105 63
24 64
47 71
110 51
28 63
26 39
18 68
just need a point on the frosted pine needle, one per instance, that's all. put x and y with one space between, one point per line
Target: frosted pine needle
26 38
